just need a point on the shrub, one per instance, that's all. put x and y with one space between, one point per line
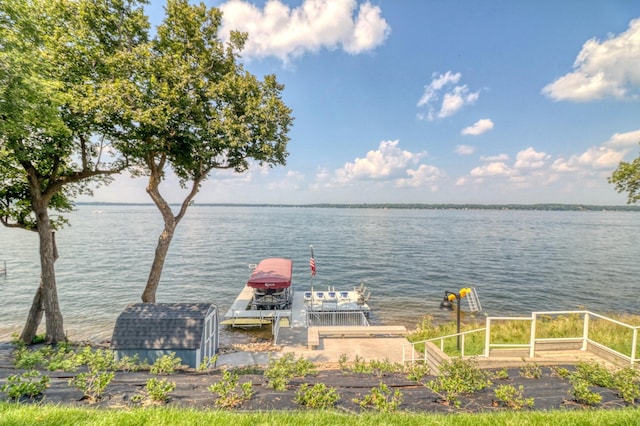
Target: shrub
92 384
511 397
318 396
417 371
594 373
25 359
381 399
627 384
459 376
226 389
166 364
280 371
531 370
100 365
159 390
501 374
30 384
582 393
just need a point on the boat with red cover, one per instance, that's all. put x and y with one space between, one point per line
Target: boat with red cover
271 284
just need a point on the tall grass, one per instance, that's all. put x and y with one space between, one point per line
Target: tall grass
18 414
518 332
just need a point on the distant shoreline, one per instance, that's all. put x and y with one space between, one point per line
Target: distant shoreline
410 206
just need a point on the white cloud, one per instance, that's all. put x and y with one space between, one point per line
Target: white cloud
478 128
602 69
431 90
423 176
536 169
530 158
465 150
499 157
606 156
452 98
387 161
624 140
497 168
596 157
277 30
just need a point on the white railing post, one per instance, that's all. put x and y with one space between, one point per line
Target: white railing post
487 337
634 343
532 337
462 348
585 331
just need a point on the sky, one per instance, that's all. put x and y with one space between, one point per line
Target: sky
435 101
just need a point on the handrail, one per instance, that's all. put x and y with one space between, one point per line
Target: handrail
533 337
275 325
441 339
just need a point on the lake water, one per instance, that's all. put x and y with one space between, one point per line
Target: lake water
519 261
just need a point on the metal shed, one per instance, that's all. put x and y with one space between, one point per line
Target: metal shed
151 330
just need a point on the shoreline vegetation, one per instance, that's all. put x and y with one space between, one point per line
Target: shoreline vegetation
410 206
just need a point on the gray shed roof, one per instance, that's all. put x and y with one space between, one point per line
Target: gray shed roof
161 326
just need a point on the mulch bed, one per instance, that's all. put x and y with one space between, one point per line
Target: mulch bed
549 391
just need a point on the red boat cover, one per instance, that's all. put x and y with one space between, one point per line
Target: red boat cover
274 273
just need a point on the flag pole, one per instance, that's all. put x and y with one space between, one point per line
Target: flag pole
312 265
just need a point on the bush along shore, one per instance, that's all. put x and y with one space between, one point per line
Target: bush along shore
83 376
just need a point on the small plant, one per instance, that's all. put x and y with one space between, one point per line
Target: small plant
595 373
459 376
582 393
361 366
319 396
16 341
342 361
226 389
128 363
63 359
30 384
627 384
561 372
381 399
166 364
417 371
26 359
380 368
100 365
159 390
513 398
39 338
207 362
280 371
501 374
92 384
531 370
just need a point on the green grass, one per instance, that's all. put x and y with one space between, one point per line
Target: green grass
14 414
605 332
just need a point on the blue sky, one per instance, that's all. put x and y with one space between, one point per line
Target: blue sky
434 101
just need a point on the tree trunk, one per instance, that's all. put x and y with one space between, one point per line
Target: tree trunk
34 318
149 294
47 295
37 309
170 224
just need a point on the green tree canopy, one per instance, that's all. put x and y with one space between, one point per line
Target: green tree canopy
626 178
185 102
55 56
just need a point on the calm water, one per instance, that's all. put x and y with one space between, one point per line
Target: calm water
519 261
